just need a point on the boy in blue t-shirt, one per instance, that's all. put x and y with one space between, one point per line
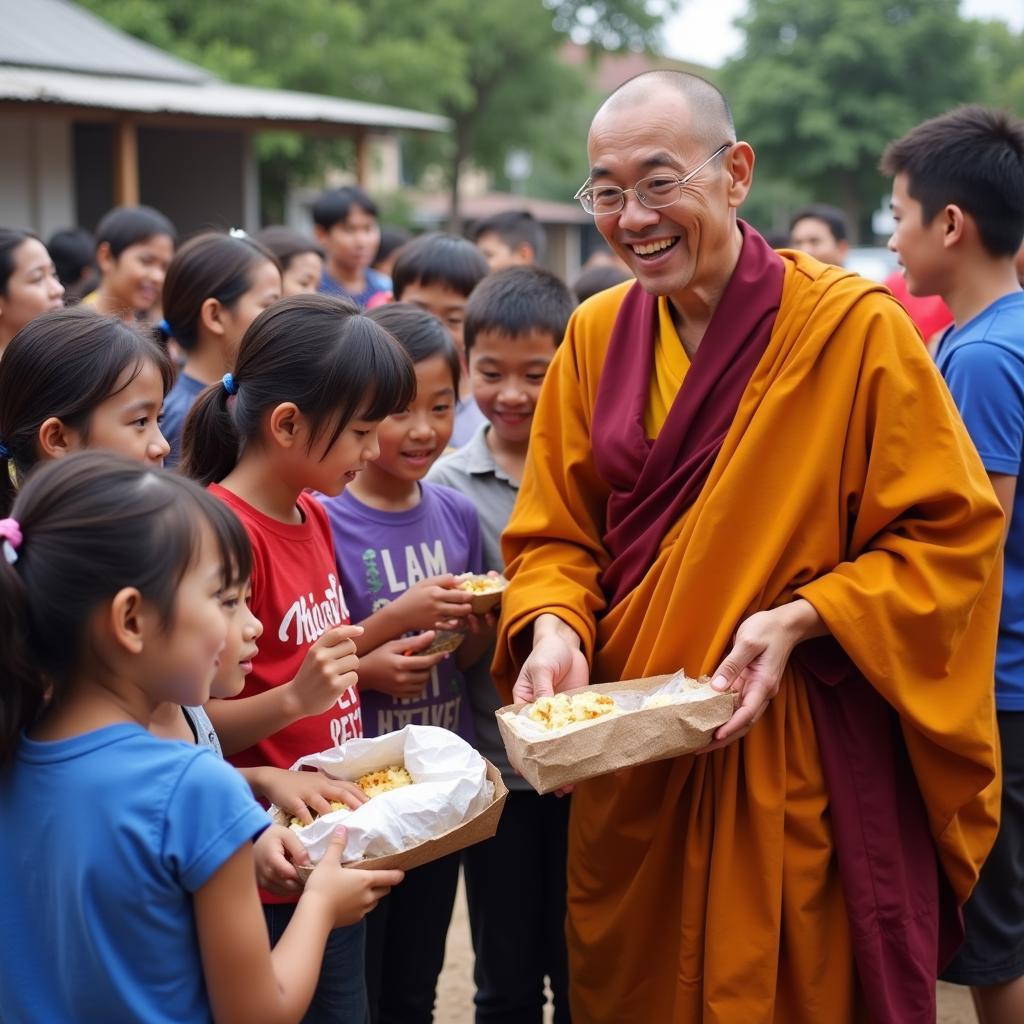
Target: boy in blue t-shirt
958 202
345 223
515 320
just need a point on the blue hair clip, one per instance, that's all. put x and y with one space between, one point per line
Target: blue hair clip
165 329
229 384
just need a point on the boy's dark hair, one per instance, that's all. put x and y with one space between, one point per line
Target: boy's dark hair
314 350
971 157
125 226
598 279
514 228
336 204
64 363
518 300
439 259
209 266
92 524
831 216
286 244
10 242
420 333
390 240
73 250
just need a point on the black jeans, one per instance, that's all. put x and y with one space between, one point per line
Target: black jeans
515 884
405 940
340 996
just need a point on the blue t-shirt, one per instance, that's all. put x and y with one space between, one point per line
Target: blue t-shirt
177 404
983 364
105 838
382 554
376 283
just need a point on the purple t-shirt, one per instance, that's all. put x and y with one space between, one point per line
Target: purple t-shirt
382 554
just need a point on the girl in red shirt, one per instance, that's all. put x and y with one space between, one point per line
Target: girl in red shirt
312 380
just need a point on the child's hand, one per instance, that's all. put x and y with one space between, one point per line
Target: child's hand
398 668
277 853
328 670
298 793
351 893
484 626
432 601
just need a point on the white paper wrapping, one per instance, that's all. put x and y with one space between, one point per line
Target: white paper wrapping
680 688
451 787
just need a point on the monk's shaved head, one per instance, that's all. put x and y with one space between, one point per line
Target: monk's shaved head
712 119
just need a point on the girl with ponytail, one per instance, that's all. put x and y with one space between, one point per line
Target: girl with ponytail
298 412
216 285
131 855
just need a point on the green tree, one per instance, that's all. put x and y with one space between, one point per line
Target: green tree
493 67
819 89
1001 51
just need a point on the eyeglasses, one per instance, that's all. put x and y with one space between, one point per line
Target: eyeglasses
654 192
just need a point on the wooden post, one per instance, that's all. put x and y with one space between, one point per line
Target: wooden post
362 158
126 164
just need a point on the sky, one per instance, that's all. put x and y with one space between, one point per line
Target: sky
703 32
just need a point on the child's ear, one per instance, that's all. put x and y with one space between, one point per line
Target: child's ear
211 316
55 439
105 259
128 620
954 222
285 423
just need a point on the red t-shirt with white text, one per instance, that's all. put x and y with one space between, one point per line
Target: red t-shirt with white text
297 595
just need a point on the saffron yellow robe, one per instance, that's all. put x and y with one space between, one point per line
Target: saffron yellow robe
706 888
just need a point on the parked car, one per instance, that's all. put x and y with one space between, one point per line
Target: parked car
871 261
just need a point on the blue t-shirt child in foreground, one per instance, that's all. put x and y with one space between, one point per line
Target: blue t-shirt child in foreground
140 856
958 203
983 364
399 543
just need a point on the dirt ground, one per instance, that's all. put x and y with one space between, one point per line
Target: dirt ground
455 990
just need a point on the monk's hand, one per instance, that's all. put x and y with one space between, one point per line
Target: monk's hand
555 664
754 666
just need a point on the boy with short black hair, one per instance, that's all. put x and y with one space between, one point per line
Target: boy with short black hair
515 321
510 239
345 224
958 202
437 272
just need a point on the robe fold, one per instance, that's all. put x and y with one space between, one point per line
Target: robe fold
708 888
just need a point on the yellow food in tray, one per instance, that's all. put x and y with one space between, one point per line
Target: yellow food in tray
336 805
562 709
394 776
482 585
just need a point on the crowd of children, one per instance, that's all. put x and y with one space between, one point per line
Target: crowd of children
238 481
311 426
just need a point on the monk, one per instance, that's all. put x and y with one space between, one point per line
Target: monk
744 464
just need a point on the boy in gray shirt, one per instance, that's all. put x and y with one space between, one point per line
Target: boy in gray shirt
515 320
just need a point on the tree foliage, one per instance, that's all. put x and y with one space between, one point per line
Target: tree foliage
819 89
492 66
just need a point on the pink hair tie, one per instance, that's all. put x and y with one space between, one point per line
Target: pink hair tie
10 531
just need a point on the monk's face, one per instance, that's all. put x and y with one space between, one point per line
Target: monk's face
692 243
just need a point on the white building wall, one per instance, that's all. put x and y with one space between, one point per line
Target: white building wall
36 174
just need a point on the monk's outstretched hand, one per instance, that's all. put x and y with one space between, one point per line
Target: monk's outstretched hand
754 666
555 664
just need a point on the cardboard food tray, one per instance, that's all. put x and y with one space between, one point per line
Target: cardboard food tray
483 603
616 741
478 828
